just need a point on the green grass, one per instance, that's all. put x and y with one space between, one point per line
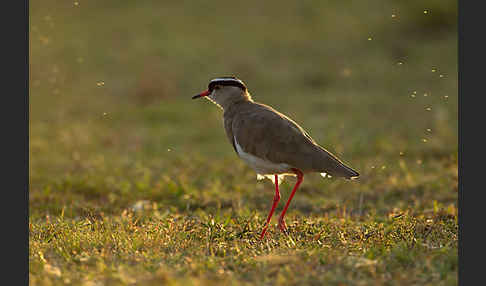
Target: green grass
132 182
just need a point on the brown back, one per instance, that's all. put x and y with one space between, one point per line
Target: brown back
264 132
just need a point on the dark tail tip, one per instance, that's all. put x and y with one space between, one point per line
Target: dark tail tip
354 175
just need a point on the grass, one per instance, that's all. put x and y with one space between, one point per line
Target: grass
178 249
132 182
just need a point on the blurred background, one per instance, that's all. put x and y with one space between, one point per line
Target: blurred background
112 121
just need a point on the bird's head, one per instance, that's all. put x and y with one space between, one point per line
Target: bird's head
225 91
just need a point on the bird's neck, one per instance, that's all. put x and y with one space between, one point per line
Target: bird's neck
234 101
236 106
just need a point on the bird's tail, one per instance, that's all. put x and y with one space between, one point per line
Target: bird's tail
331 166
341 170
351 175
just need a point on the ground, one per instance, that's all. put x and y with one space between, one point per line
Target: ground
132 182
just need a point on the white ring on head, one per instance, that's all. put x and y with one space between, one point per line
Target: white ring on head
227 79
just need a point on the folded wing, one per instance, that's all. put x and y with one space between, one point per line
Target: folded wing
266 133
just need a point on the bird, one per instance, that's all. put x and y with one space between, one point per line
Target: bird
271 143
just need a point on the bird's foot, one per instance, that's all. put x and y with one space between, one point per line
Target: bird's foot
282 226
264 230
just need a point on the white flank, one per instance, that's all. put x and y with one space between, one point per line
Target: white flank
264 168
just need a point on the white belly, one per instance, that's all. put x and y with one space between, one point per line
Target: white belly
262 167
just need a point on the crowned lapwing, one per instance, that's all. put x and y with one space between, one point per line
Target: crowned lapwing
270 142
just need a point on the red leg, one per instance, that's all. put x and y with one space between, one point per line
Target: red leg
276 198
300 178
